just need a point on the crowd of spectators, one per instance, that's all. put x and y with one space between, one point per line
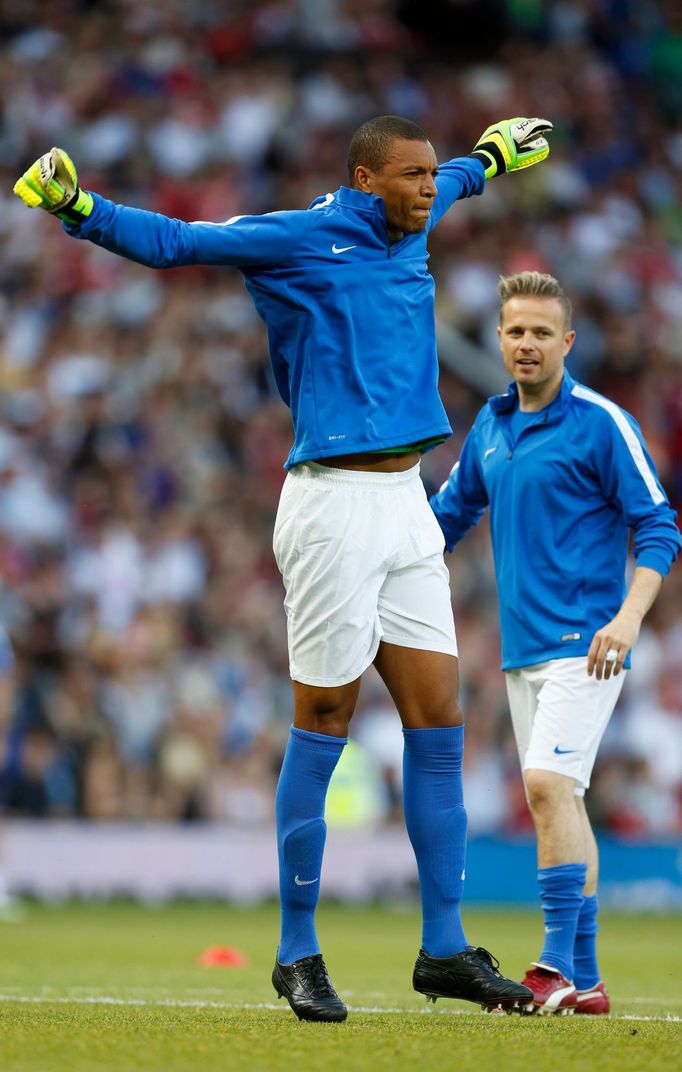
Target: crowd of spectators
141 435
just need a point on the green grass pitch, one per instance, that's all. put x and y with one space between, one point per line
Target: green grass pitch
115 987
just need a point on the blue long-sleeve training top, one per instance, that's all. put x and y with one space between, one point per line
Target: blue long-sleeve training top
562 500
350 317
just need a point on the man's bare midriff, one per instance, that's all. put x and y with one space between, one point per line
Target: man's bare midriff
373 463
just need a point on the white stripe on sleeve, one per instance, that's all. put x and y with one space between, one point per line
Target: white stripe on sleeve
632 442
328 198
223 223
447 479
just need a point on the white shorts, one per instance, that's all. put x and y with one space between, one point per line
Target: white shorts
361 555
559 715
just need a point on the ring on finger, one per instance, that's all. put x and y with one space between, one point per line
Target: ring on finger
611 655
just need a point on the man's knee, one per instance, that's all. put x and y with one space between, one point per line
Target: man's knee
423 684
448 713
325 710
431 712
547 790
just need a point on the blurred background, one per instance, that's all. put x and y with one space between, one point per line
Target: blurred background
142 437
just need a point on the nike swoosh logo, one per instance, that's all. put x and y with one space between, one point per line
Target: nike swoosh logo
490 450
342 249
305 882
564 751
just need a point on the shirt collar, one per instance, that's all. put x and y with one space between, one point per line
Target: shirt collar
356 200
507 402
359 201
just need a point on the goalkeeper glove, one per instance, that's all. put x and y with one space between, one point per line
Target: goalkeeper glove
512 144
52 183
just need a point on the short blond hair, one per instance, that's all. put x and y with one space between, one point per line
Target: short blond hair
534 285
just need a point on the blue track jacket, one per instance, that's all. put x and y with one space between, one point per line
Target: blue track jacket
562 499
350 318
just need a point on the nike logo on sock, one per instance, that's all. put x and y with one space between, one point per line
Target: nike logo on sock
305 882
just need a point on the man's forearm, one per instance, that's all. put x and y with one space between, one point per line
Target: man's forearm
618 636
645 586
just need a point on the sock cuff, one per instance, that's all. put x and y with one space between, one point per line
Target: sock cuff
589 908
437 739
562 874
317 741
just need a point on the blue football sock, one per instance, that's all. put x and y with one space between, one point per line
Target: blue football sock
309 763
561 895
437 825
585 949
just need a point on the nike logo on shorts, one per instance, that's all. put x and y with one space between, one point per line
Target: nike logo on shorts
564 751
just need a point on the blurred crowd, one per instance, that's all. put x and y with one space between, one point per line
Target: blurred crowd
141 435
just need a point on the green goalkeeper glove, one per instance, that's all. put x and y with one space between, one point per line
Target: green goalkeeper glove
512 144
52 183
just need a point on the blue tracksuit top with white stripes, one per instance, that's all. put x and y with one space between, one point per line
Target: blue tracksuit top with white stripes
350 317
562 500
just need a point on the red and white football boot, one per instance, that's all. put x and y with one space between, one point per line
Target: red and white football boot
594 1002
553 994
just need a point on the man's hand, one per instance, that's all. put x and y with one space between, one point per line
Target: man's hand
52 183
512 144
611 644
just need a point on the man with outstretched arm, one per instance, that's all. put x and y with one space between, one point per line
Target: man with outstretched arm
567 476
348 301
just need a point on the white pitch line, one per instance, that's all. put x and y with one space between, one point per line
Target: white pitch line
173 1003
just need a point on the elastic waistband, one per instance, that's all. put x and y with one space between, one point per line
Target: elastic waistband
354 477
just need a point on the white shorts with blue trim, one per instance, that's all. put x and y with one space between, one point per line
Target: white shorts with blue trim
559 715
361 556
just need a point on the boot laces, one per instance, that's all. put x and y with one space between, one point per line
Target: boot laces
315 976
491 961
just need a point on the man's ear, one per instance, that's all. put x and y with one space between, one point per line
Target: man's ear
362 180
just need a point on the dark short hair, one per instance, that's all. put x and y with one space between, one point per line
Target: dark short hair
371 143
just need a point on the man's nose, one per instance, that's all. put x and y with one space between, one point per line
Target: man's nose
429 188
